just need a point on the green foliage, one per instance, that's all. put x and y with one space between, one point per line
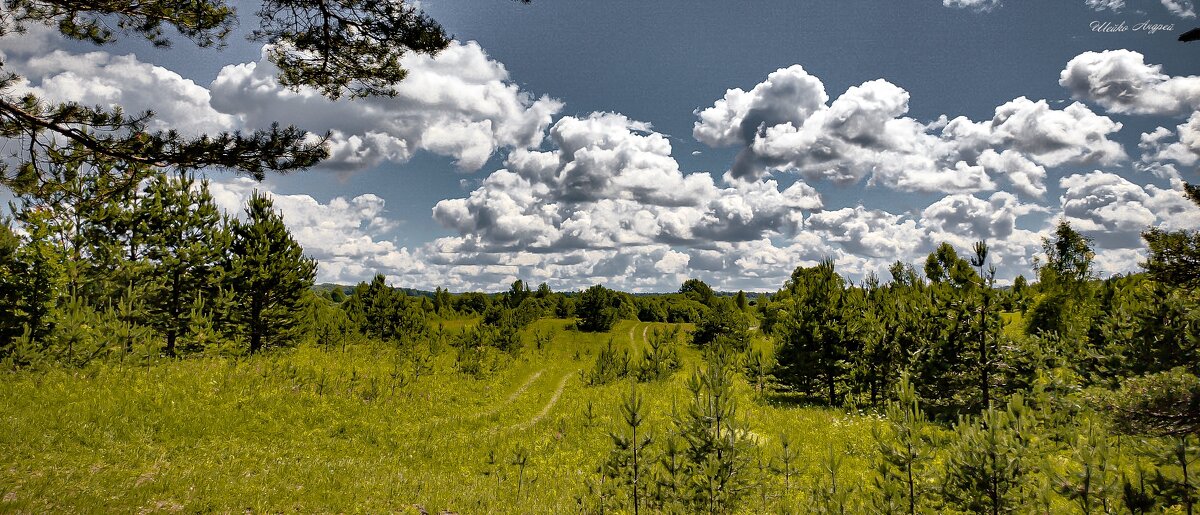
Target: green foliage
1092 476
830 493
335 47
673 308
627 467
987 463
661 357
610 366
717 449
901 478
205 22
1162 404
1174 257
111 136
812 354
471 303
184 239
697 290
1175 481
35 277
758 366
944 266
12 293
385 313
1066 303
269 275
598 309
724 323
345 46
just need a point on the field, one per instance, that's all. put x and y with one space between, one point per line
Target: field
316 430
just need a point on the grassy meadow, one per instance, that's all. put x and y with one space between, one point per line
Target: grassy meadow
316 430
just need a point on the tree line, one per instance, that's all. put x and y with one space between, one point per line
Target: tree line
83 274
1071 391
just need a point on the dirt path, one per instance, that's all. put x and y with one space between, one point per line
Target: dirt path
631 341
562 384
512 397
644 329
521 390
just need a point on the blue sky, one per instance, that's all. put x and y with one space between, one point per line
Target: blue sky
640 143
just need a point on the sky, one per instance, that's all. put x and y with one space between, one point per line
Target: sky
638 144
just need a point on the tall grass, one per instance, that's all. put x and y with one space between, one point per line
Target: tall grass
314 430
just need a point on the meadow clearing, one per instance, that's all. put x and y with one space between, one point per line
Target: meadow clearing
315 430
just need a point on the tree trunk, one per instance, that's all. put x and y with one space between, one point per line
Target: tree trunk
1187 484
173 311
256 331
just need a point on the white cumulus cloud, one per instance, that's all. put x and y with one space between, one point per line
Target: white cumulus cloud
788 123
1122 82
458 103
975 5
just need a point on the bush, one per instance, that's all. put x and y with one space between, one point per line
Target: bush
726 322
598 309
610 366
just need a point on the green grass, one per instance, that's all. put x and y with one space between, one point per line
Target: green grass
1013 324
314 431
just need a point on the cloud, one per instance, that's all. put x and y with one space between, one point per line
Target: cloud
458 103
1181 146
1111 5
788 123
609 203
1112 210
788 94
600 198
1122 82
1024 175
1174 210
102 79
1180 8
868 232
975 5
343 234
612 182
962 220
1054 137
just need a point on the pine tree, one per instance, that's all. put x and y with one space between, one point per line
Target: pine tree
1092 480
725 322
1066 303
830 494
10 287
812 355
268 274
986 464
785 464
627 464
40 263
944 368
903 453
185 243
717 449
